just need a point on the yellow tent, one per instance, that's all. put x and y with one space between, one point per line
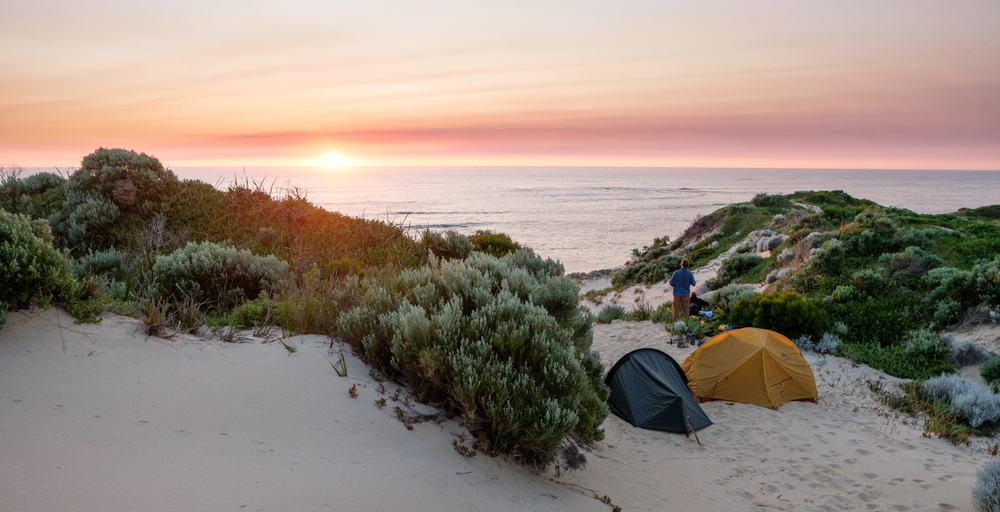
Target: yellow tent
751 366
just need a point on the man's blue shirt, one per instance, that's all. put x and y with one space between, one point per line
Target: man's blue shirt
682 281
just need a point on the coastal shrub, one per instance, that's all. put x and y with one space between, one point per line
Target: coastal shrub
881 320
828 344
610 313
449 245
726 297
36 196
828 257
788 313
494 244
896 360
951 283
111 263
647 272
111 195
986 278
868 280
927 344
964 353
845 293
469 336
948 312
217 274
976 403
29 265
990 370
986 491
733 268
767 200
3 312
913 260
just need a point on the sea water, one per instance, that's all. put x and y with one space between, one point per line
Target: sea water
588 218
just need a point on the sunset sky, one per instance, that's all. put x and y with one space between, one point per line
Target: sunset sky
787 83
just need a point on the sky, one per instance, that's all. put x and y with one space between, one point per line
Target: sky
764 83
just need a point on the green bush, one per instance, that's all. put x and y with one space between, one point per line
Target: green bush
948 312
221 275
952 283
986 279
727 296
787 313
610 313
499 341
868 280
733 268
647 272
990 370
111 196
897 360
845 293
110 263
882 321
494 244
829 257
29 265
36 196
767 200
449 245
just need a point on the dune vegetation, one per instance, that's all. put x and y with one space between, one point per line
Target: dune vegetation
840 275
124 234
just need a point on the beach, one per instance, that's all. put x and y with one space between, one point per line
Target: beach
101 417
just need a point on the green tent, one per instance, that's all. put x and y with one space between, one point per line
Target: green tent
649 390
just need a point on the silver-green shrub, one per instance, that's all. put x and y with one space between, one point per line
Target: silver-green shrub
828 344
499 341
975 402
986 491
726 297
986 279
111 263
29 265
448 245
220 274
112 193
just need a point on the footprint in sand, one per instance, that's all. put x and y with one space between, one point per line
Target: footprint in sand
864 452
16 401
945 478
871 476
143 422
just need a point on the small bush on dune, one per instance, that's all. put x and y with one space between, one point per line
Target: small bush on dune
448 245
976 403
986 279
109 196
828 344
610 313
469 335
29 265
221 275
964 353
948 312
787 313
727 296
36 196
990 370
735 267
494 244
647 272
986 491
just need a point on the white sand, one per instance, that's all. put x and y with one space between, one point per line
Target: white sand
97 418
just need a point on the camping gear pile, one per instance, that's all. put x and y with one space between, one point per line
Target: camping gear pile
752 366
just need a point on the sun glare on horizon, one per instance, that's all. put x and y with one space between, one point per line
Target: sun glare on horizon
333 160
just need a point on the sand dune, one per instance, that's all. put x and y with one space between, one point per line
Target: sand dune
100 418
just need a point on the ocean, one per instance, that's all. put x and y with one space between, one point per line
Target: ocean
588 218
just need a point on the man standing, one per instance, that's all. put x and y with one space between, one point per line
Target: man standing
682 281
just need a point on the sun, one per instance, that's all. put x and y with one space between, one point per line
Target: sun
333 160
